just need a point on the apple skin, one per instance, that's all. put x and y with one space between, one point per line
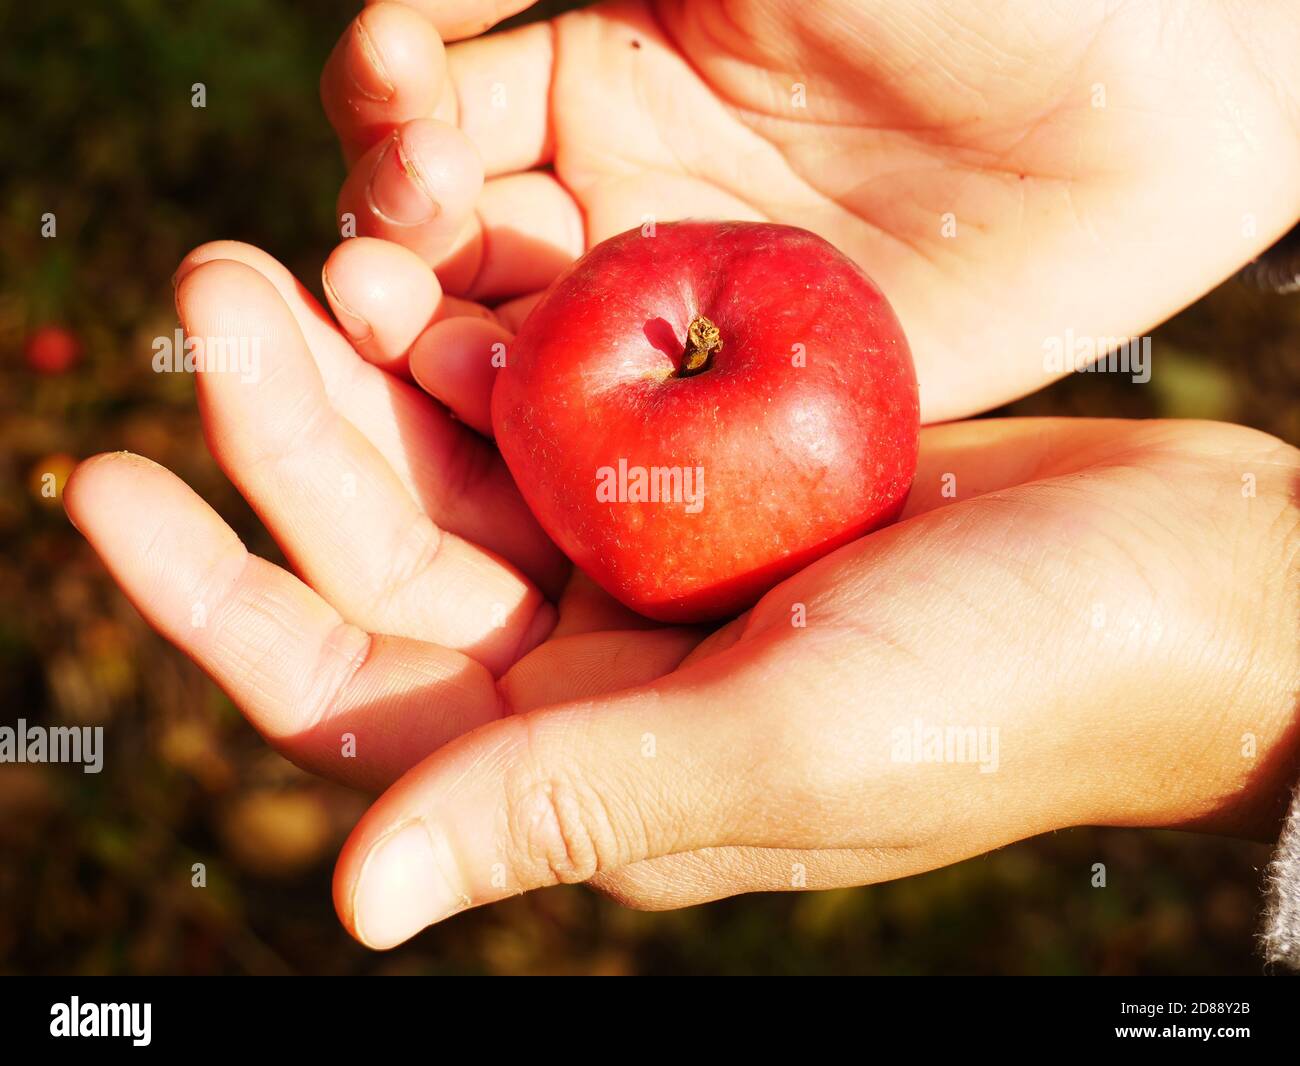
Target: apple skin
796 460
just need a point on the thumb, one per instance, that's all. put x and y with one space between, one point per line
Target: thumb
554 796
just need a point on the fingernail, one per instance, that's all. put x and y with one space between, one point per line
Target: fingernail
366 69
353 324
181 272
408 881
396 189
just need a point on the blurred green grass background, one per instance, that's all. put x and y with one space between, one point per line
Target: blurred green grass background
95 869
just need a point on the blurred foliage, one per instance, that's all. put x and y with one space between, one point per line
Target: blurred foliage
95 870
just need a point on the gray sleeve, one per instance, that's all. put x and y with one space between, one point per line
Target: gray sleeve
1278 269
1280 938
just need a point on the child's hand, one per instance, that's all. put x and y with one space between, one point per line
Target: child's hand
1113 598
1012 175
399 521
1103 628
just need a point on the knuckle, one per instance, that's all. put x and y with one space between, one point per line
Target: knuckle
343 655
554 831
560 827
414 554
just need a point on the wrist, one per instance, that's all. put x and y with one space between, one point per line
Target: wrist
1220 750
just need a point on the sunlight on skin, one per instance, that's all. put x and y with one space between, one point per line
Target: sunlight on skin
532 730
783 736
1050 517
1005 174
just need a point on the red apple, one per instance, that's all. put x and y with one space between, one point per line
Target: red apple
52 350
697 413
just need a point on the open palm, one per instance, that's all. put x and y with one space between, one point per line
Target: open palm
532 731
1008 173
430 617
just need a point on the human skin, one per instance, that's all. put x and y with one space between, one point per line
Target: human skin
1005 172
1117 599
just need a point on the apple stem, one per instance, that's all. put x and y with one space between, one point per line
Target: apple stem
702 340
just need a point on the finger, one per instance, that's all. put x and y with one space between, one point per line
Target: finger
502 97
585 607
530 229
456 362
389 66
553 796
332 698
383 296
418 187
582 666
329 498
523 230
465 18
458 478
387 70
512 313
